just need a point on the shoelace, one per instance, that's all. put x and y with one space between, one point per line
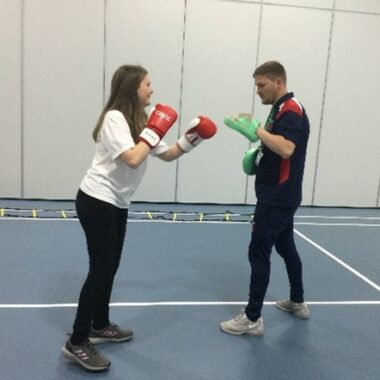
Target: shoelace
239 316
90 347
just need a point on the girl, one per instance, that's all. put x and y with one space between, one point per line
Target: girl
124 137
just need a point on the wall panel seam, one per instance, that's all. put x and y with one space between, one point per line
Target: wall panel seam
253 95
104 50
180 98
22 97
323 105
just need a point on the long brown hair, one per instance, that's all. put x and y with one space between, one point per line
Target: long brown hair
124 85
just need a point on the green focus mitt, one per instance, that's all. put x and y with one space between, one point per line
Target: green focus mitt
251 160
245 126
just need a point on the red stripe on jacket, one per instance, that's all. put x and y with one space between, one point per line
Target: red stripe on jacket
284 171
290 105
293 106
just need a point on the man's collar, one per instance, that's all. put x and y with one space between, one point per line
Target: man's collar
283 98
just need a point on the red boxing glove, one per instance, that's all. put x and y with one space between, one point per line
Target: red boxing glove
201 128
161 118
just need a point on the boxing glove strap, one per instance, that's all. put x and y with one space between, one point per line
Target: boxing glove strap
150 137
184 144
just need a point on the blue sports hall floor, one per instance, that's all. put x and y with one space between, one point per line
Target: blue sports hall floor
184 269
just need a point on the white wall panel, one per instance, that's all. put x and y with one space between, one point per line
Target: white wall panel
10 98
303 3
62 92
304 56
358 5
150 33
200 55
349 159
220 54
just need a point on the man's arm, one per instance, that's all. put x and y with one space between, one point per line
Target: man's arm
276 143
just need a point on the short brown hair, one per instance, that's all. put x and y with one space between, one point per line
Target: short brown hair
272 70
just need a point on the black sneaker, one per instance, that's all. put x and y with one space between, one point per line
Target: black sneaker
86 355
111 333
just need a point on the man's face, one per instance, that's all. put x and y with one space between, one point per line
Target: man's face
268 89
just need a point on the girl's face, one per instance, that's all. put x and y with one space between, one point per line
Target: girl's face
145 91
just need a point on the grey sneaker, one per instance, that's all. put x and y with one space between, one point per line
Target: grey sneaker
86 355
240 324
111 333
300 310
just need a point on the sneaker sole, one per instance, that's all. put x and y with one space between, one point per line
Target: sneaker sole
68 355
236 333
113 340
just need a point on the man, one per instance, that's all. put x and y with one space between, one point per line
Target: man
279 167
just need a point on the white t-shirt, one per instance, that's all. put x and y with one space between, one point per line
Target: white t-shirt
109 178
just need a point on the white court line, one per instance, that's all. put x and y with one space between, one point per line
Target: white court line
336 217
177 303
339 261
194 222
337 224
184 213
246 222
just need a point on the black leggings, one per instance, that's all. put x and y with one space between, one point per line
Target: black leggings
105 227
